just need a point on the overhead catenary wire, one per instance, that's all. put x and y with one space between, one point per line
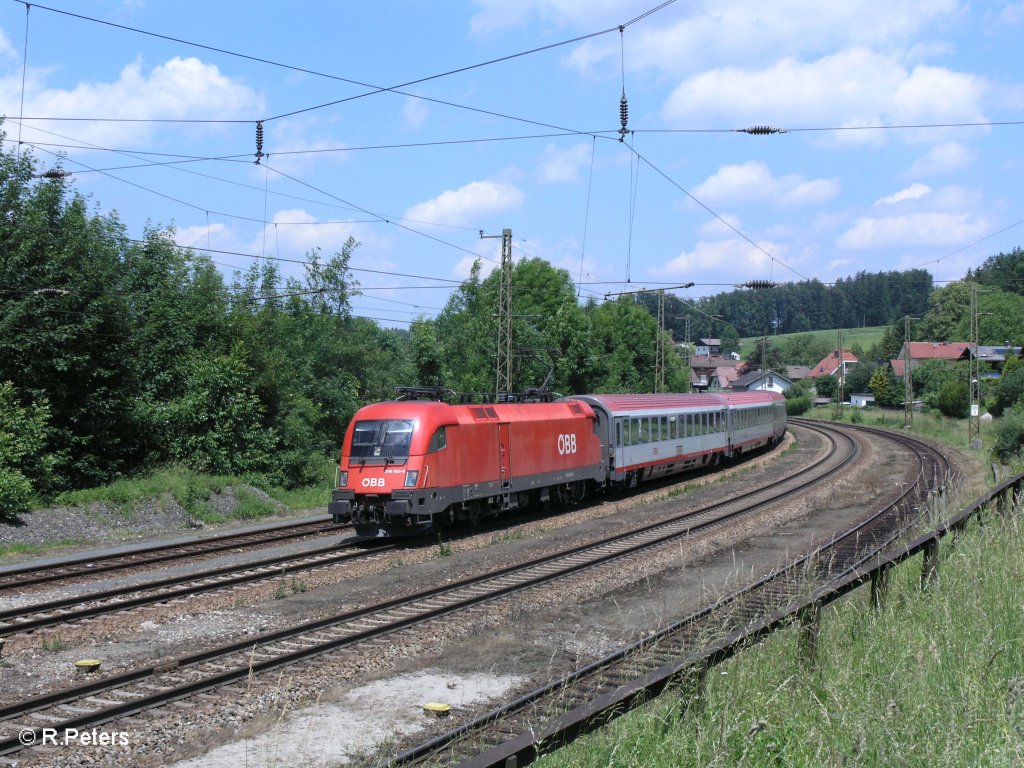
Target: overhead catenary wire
388 219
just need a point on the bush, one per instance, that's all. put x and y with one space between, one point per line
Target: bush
1009 432
25 467
1011 389
954 399
797 405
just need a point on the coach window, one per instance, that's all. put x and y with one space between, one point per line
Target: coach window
618 433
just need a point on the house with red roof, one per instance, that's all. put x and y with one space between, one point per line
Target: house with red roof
949 351
839 359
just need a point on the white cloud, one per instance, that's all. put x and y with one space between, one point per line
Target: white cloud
853 87
1012 13
939 229
683 39
414 112
730 259
753 180
913 192
201 236
720 226
6 49
501 15
177 89
463 205
839 263
465 265
942 158
563 165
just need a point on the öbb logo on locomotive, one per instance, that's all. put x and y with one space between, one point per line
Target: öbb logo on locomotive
410 466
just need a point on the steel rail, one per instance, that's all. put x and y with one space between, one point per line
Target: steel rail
239 660
19 578
14 621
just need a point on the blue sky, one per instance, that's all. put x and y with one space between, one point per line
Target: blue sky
530 142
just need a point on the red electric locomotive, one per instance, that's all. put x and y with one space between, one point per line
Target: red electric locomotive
411 465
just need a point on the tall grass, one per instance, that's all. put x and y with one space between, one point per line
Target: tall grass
935 678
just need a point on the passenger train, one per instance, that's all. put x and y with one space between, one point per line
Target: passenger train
411 466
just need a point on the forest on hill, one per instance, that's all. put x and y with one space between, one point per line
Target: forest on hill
118 355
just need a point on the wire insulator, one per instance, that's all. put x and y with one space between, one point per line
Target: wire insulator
623 116
760 130
259 141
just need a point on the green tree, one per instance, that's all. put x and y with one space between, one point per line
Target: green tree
25 467
765 356
1011 390
65 333
954 399
881 387
217 425
826 386
1009 435
859 378
730 340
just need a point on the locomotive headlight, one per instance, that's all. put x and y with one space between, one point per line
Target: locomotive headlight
341 478
411 476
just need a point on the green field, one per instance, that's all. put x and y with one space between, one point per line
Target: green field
865 337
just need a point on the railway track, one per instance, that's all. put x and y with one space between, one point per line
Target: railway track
35 616
117 696
543 719
31 575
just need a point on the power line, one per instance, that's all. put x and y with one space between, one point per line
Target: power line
686 192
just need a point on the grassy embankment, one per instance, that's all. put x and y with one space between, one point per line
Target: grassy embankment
865 337
194 492
933 679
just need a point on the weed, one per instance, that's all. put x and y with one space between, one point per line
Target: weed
53 643
280 591
298 586
513 534
444 549
249 506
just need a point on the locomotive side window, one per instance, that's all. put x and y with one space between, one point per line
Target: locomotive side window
438 440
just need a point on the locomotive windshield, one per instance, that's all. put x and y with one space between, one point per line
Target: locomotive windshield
386 439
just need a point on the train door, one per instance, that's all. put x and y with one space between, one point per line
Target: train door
505 454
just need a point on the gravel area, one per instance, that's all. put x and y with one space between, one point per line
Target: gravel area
530 639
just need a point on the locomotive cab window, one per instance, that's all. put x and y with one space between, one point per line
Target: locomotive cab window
386 439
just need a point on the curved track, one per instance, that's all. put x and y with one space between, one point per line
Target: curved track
152 686
589 697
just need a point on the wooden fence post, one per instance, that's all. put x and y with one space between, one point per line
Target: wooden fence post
810 627
930 565
879 588
697 685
